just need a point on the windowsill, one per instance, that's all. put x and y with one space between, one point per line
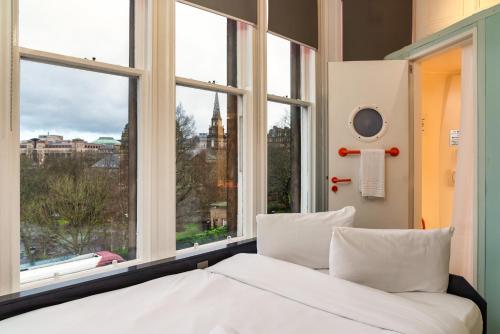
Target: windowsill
111 280
122 267
80 274
186 252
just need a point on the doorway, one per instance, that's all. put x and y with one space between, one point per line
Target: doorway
445 149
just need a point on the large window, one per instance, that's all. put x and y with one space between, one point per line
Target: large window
208 164
288 113
78 137
128 139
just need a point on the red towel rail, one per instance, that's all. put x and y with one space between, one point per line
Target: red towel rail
394 151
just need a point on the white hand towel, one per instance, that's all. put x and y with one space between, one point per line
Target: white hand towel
372 173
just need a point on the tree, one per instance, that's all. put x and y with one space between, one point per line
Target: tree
184 132
36 238
68 207
77 207
279 167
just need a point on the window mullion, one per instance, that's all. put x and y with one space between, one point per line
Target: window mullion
162 241
259 115
9 169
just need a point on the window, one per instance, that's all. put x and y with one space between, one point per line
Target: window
288 114
283 158
91 141
278 66
201 44
208 126
367 123
207 207
91 29
77 154
78 136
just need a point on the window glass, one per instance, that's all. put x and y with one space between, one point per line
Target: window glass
200 44
278 66
78 158
368 122
283 158
206 166
80 28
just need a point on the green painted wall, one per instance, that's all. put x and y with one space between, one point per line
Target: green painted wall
492 151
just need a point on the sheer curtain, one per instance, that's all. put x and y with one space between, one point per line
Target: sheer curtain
462 247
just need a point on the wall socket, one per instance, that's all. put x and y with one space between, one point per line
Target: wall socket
202 264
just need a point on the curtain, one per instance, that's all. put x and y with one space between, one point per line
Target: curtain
463 247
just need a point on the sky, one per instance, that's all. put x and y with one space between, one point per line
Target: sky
82 104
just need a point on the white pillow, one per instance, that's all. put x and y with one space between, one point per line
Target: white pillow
392 260
300 238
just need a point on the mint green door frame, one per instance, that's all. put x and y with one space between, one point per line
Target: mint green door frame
437 45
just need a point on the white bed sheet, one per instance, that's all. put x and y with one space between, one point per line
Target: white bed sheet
462 308
247 293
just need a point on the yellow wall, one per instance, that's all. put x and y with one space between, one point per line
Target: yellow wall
433 15
440 110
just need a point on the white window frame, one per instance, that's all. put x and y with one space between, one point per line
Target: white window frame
9 234
11 264
245 46
308 130
155 71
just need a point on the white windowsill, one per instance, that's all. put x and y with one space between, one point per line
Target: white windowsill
183 253
208 247
89 272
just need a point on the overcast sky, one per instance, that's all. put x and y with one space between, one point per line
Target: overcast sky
88 105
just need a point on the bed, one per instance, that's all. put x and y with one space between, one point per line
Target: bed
250 293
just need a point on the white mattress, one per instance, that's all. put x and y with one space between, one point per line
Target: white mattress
463 309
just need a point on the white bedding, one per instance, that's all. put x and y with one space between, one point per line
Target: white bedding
247 293
463 309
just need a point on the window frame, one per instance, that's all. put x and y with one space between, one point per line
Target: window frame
43 57
245 45
308 126
157 81
12 264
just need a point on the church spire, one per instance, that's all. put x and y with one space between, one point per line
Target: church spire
216 113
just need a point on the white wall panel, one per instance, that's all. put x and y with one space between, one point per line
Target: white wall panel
434 15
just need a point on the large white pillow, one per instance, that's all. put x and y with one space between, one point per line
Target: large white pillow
392 260
300 238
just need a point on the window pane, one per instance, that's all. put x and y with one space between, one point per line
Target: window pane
78 168
278 66
207 166
80 28
284 158
205 43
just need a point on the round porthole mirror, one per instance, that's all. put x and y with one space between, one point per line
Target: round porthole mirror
367 123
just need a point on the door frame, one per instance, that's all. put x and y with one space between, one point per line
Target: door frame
468 37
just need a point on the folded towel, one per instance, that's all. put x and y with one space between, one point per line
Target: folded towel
372 173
